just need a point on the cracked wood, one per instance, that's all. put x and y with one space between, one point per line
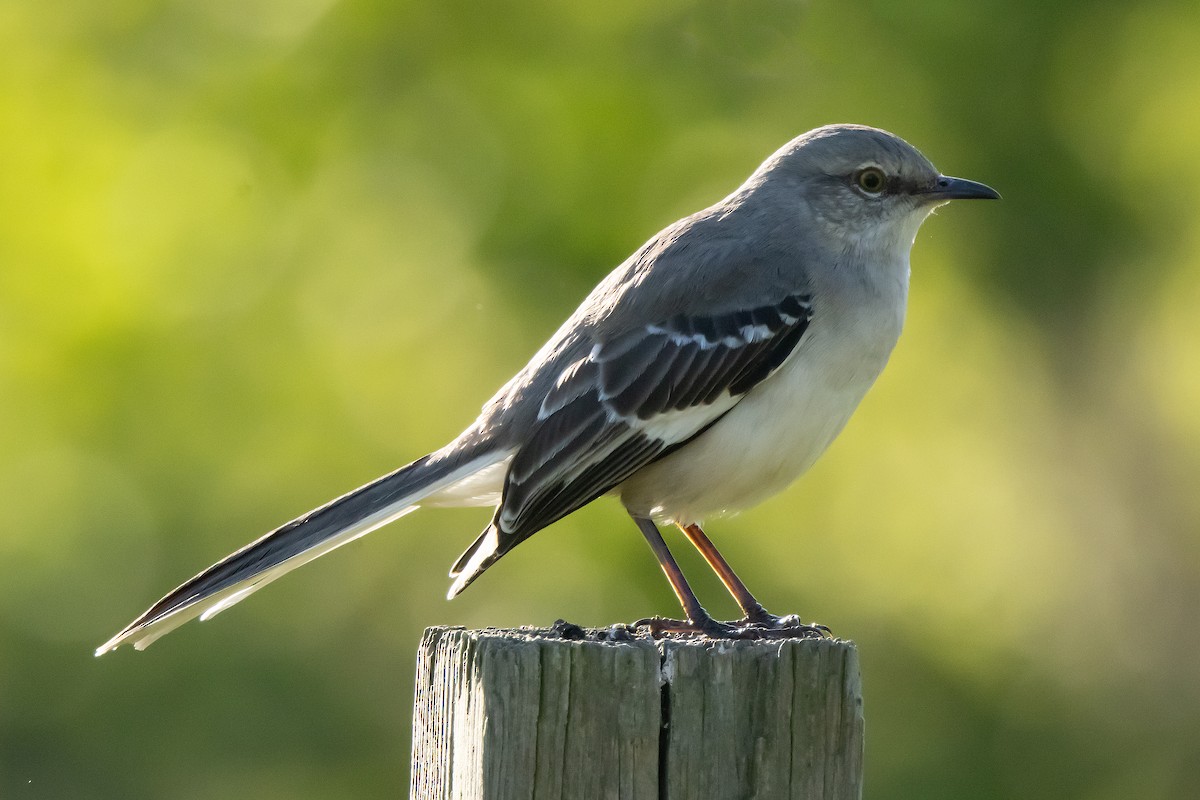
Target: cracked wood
526 713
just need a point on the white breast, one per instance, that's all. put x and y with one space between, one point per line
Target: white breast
784 424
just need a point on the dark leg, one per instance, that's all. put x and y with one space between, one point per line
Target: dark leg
750 607
698 620
755 613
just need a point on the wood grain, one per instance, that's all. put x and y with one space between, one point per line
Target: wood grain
529 713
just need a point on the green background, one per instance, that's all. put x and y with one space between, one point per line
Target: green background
254 253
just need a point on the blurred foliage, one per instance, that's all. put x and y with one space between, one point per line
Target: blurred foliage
254 253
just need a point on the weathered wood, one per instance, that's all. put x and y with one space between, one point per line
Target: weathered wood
529 714
765 719
509 714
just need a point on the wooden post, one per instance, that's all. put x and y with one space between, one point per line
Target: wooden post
534 714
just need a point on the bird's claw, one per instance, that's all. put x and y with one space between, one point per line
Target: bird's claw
760 626
788 623
706 626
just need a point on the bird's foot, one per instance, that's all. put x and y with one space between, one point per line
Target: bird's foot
756 626
703 626
788 626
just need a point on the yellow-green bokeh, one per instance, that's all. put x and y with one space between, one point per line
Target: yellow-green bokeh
254 254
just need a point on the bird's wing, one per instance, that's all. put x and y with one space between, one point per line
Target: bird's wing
629 401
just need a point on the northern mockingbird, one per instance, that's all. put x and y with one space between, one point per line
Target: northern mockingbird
704 374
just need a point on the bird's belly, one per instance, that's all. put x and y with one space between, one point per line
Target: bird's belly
767 440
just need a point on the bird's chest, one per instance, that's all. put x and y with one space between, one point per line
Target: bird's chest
780 428
848 342
807 403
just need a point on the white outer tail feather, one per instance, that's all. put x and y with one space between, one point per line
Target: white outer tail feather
440 493
210 606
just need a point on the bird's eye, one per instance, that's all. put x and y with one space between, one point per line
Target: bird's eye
871 180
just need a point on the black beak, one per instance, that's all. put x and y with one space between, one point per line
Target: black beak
947 188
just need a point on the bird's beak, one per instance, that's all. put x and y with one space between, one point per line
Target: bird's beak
946 188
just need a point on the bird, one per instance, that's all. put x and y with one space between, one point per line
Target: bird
704 374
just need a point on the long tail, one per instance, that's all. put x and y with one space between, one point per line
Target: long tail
296 543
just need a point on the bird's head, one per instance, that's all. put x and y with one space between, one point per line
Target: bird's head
862 184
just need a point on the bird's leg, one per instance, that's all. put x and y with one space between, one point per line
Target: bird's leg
698 620
756 615
753 610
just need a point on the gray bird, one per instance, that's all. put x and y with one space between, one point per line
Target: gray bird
704 374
